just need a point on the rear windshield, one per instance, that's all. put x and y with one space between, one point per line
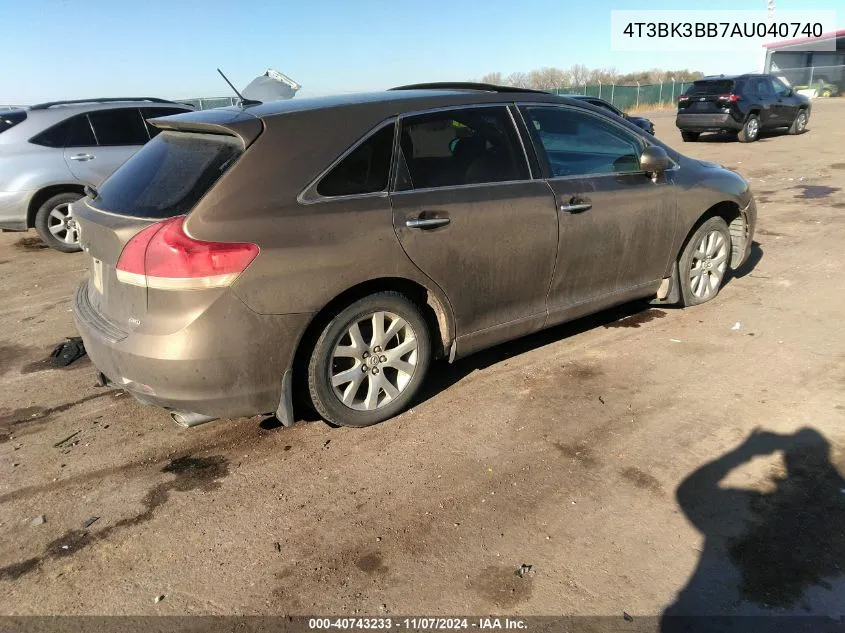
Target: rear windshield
717 87
168 175
10 118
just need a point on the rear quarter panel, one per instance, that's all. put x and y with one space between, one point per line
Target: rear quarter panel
310 253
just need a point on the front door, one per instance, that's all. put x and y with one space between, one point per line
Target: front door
102 141
616 224
469 216
785 104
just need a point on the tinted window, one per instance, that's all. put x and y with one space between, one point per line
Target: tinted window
80 132
576 143
461 147
365 170
780 88
711 87
10 118
168 175
764 86
56 135
119 127
152 113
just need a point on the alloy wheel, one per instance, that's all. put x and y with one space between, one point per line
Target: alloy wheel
752 128
709 263
62 224
374 361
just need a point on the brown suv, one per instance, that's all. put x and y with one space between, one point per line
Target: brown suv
343 243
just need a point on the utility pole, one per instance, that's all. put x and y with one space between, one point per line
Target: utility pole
770 18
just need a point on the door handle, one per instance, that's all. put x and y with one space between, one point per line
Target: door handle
426 223
82 157
576 206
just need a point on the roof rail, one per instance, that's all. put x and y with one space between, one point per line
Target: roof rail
50 104
465 85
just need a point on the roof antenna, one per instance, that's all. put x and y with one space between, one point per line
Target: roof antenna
244 102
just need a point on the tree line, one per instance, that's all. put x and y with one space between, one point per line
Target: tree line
579 75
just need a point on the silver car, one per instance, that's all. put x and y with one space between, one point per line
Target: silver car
51 151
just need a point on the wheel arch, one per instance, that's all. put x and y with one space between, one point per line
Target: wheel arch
44 194
755 110
436 311
737 223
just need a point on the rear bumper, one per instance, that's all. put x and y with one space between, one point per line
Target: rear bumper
228 362
707 122
13 209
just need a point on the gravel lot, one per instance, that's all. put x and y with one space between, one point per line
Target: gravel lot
569 450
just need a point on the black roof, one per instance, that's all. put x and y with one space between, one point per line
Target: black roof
465 85
731 77
401 100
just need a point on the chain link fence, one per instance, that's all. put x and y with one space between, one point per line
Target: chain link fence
825 81
629 97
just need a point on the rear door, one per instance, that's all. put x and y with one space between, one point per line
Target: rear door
102 141
759 89
616 224
470 217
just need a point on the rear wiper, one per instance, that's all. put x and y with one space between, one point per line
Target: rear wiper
91 192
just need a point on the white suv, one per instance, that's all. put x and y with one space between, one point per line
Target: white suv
51 151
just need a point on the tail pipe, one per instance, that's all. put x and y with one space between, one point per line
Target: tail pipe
188 419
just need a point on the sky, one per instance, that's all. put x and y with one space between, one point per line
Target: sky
64 49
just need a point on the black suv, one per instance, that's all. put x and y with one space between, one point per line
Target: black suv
745 104
639 121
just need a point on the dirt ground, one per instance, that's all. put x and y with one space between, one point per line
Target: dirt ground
614 455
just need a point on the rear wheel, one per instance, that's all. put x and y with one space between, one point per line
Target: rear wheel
56 225
369 361
750 131
689 137
704 262
799 125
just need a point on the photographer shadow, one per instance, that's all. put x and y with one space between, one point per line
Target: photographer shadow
765 553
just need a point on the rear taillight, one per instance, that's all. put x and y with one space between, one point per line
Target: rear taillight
731 97
163 256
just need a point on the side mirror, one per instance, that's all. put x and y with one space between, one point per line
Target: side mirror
654 161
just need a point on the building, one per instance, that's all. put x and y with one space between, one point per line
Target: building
809 61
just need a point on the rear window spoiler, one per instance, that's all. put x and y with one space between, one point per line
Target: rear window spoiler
228 121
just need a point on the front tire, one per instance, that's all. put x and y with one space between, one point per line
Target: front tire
689 137
750 132
704 261
55 224
799 125
370 360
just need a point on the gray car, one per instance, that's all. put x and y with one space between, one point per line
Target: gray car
51 151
